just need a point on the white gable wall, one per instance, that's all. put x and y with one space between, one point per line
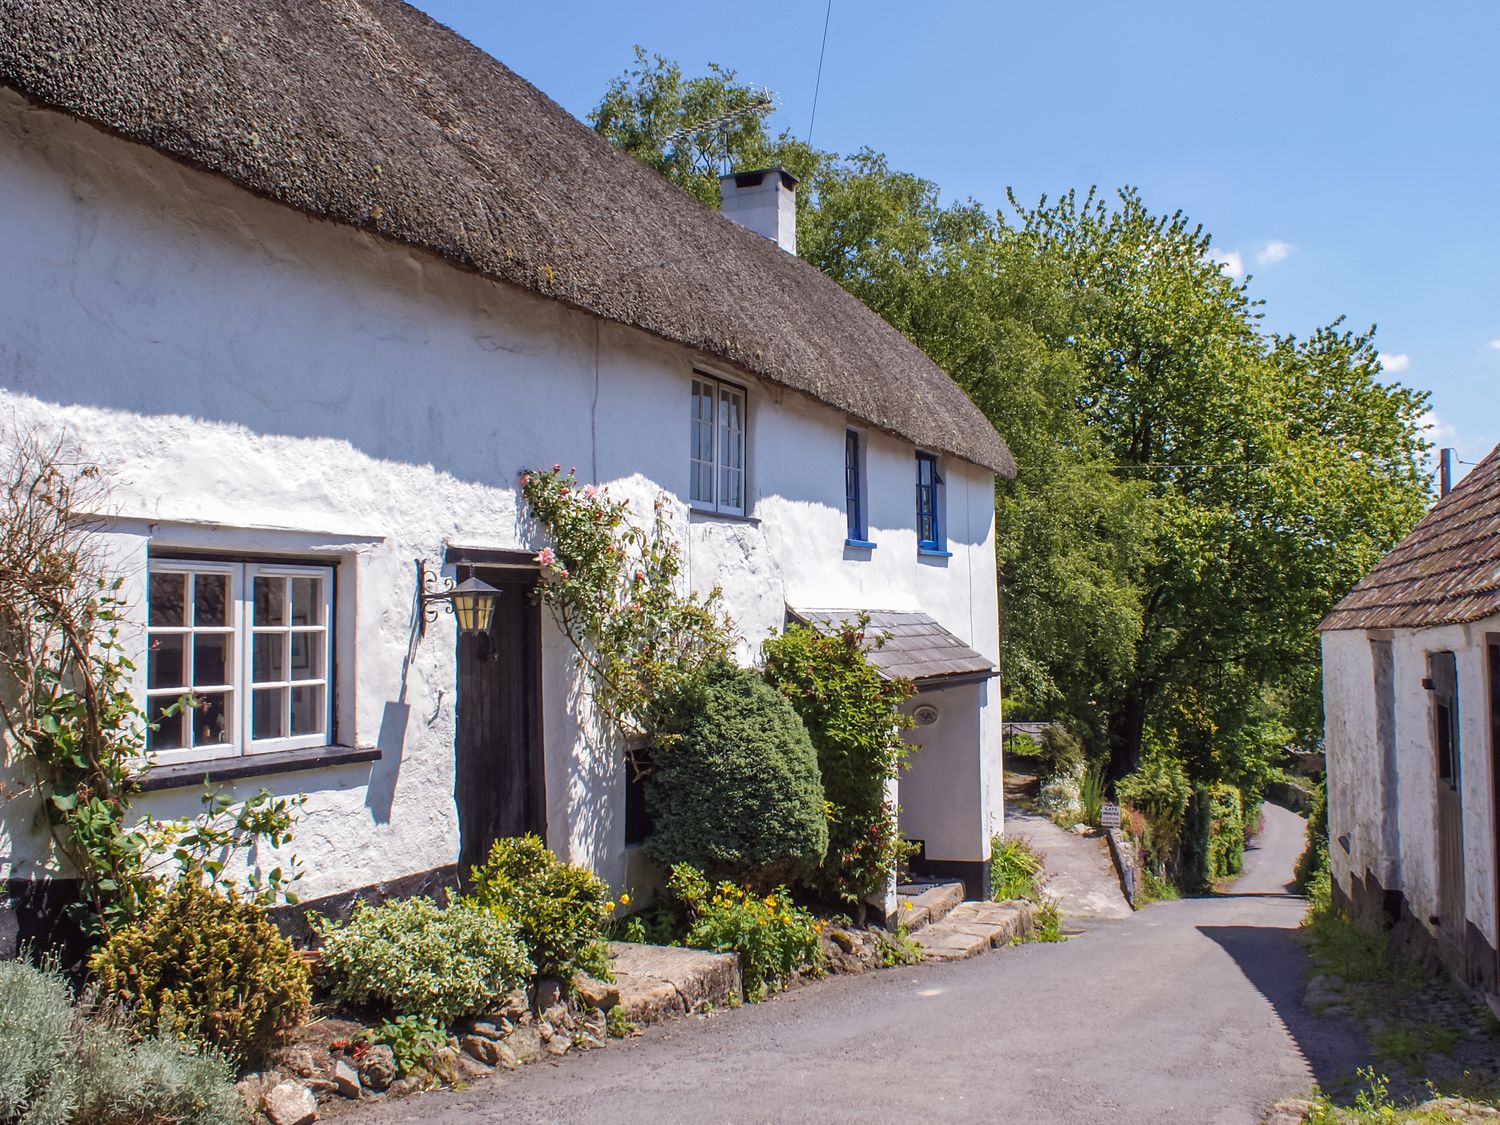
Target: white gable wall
255 380
1389 818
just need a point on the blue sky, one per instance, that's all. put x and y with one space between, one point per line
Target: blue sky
1346 155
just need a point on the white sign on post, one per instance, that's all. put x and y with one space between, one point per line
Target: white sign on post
1109 816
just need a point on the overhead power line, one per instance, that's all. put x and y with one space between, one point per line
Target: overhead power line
818 85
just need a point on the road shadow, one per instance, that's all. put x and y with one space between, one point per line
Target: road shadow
1274 961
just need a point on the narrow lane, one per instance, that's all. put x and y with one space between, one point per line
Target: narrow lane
1189 1011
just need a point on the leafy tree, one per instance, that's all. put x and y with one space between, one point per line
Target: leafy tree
1194 494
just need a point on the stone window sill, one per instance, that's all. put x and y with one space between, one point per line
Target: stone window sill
180 775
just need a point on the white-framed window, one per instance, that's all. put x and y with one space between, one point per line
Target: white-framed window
251 645
716 446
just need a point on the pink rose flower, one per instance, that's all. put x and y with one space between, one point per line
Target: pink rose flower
545 556
589 491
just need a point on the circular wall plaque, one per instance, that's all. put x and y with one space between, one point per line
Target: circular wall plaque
925 715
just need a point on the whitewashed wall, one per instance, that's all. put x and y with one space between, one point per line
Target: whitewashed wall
254 379
1403 855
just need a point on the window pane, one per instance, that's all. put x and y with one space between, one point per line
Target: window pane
164 668
269 713
210 599
269 657
307 601
211 659
211 719
270 601
168 732
307 656
166 597
307 709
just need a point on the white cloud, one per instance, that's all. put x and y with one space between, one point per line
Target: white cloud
1399 362
1438 432
1495 344
1272 252
1233 264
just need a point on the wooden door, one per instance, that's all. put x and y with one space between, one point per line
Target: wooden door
500 780
1447 762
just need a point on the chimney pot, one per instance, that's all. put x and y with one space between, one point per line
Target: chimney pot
764 201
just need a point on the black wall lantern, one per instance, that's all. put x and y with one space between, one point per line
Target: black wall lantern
472 601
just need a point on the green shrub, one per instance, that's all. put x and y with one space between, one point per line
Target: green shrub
1022 745
734 788
1314 859
412 957
560 910
1061 752
773 937
1226 832
207 965
60 1064
1061 795
1015 870
1159 791
412 1039
853 717
1091 792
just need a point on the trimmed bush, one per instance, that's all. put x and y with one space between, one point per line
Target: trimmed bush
1314 859
773 937
853 717
411 957
560 909
734 789
1226 832
204 964
60 1064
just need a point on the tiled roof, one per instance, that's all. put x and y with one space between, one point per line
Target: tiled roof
916 647
1447 571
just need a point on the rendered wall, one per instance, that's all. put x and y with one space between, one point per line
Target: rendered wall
1389 818
256 380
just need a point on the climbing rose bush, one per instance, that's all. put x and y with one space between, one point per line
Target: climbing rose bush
616 590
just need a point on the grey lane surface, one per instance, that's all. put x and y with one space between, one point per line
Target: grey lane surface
1190 1011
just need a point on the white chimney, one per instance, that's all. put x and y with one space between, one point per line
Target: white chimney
763 201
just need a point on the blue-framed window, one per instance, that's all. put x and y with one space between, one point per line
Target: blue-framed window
929 504
854 508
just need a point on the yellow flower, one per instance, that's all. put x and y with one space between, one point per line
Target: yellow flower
624 900
609 906
907 905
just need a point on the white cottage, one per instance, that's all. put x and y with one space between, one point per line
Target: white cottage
313 281
1411 691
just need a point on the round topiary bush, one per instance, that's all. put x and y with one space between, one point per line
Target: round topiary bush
204 964
734 788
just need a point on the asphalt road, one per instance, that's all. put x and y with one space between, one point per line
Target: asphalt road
1189 1011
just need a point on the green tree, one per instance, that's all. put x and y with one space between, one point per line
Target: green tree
1194 494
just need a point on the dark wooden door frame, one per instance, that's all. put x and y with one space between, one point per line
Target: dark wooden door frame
1447 746
499 758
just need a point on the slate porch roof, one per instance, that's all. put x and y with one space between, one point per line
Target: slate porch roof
916 648
1446 572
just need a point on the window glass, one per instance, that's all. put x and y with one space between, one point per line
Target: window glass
929 512
853 500
716 472
242 653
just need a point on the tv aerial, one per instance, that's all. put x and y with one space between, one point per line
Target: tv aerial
761 101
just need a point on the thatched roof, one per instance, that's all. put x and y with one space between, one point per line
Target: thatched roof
367 112
1447 571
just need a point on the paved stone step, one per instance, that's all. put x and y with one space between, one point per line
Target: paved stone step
972 928
657 982
923 904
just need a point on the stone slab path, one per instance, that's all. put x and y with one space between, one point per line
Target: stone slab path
972 928
657 982
1081 877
